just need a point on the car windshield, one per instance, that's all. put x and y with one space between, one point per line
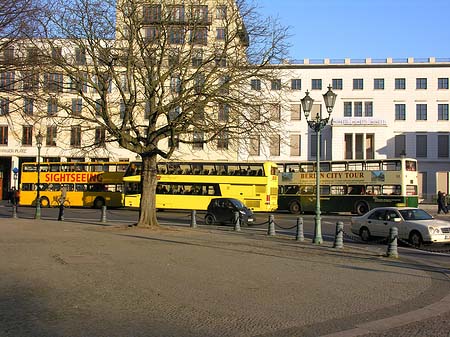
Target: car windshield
415 214
237 203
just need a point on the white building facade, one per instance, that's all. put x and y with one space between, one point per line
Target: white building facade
384 109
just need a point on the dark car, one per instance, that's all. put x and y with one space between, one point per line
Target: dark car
222 211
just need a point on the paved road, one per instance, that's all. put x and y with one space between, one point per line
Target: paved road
92 279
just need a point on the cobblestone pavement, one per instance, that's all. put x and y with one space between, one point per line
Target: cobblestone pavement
73 279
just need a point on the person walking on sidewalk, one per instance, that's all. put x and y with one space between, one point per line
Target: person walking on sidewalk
440 203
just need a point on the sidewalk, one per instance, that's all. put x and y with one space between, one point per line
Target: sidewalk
73 279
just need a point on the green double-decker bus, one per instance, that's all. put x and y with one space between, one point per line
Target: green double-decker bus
354 186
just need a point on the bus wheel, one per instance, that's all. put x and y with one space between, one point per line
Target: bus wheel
294 207
361 208
99 202
209 219
45 202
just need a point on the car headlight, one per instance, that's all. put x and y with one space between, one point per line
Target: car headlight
434 230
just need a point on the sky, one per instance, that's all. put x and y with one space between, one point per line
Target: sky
359 29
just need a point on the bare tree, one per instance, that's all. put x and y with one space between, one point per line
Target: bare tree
157 74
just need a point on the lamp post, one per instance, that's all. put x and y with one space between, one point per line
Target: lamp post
38 197
317 123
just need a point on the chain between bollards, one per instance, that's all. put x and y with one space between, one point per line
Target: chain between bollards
103 218
237 222
392 243
339 237
193 220
271 227
299 234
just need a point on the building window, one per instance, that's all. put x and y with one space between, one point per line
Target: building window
151 14
255 84
275 145
357 106
174 113
359 146
378 83
151 33
27 135
296 145
176 13
274 111
313 146
7 80
80 56
368 109
421 146
337 83
50 139
199 35
221 34
3 135
443 83
75 136
421 112
30 80
199 13
122 109
358 84
421 83
224 110
222 140
175 84
53 82
221 60
347 109
221 12
400 83
28 104
77 106
370 146
400 145
443 146
100 136
316 84
4 106
198 138
197 57
176 35
348 145
400 112
443 112
199 82
296 84
296 113
52 106
275 85
255 146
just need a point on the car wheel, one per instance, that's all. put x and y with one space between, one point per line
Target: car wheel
294 207
364 233
361 208
209 219
45 202
415 239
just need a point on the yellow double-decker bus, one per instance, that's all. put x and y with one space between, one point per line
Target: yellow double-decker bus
349 185
191 186
85 184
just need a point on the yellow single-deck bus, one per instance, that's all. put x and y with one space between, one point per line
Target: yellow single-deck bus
348 186
86 184
191 186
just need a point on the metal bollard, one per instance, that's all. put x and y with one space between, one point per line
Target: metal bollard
392 243
61 212
103 218
237 222
193 220
14 211
299 235
339 237
271 228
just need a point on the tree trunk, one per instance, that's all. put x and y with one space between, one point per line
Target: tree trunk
147 216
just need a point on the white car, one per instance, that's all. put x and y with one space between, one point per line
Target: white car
414 225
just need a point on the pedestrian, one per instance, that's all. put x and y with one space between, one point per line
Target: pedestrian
440 202
445 201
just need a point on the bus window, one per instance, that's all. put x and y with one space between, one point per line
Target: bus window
307 167
291 189
356 189
392 165
373 166
292 168
324 167
29 168
373 189
338 190
336 167
411 190
391 189
306 190
324 189
355 166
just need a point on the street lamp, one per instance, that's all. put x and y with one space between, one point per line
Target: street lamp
38 197
317 123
